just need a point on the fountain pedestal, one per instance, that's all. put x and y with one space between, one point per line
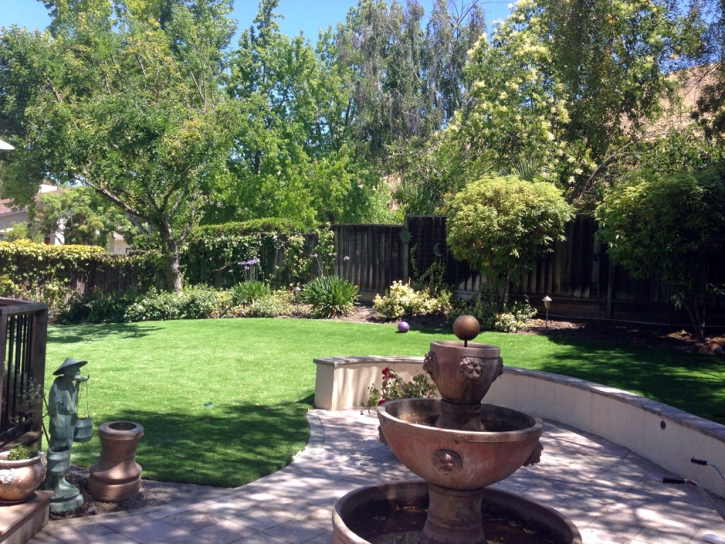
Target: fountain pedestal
453 511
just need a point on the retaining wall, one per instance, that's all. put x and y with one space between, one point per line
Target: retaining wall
658 432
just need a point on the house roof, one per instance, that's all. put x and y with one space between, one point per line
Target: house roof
6 205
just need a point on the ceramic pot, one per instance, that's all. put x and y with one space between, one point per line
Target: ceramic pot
83 430
117 475
20 479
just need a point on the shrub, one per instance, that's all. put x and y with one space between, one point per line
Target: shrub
501 224
330 296
274 305
96 308
247 292
402 300
511 317
667 225
194 303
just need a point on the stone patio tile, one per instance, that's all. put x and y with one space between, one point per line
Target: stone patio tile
73 533
261 518
321 517
188 538
151 532
169 511
599 536
295 532
191 520
324 538
298 509
225 531
262 538
225 509
44 538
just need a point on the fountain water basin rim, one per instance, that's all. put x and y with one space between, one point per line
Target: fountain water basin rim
368 506
455 459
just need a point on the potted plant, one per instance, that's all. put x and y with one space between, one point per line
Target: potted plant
22 470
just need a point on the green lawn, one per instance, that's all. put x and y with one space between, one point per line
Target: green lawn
259 375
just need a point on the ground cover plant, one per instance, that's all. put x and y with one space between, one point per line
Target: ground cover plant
259 376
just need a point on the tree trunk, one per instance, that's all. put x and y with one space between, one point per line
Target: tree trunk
172 265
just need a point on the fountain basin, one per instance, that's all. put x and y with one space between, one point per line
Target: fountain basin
458 459
395 512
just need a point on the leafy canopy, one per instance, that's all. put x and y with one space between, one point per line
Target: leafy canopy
501 224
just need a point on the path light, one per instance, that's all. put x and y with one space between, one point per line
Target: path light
547 305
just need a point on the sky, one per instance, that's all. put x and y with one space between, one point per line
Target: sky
300 15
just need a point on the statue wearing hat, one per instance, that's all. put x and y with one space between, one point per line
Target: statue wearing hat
63 413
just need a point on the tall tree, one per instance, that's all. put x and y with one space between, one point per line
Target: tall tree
571 86
133 109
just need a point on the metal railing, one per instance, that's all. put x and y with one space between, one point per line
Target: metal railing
23 336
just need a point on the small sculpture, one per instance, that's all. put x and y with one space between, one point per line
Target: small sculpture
63 413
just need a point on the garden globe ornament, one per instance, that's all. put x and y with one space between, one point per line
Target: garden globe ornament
63 414
403 326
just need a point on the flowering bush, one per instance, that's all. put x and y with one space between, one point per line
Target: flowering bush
402 300
509 317
394 388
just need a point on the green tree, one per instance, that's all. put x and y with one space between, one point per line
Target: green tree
667 225
131 109
82 215
502 224
572 86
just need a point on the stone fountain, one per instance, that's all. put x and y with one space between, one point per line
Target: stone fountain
458 446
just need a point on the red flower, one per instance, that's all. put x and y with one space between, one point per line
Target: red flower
382 401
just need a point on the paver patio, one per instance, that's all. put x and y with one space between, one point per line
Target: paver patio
611 494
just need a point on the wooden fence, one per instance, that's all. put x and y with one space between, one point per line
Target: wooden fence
577 275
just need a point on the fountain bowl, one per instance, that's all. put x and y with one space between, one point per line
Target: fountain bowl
453 459
383 512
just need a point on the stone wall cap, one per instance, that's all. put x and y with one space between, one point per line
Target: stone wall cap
357 360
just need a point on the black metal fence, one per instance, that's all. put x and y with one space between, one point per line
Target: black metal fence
23 335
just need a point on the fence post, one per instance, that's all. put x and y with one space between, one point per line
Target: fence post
3 340
406 252
610 290
37 364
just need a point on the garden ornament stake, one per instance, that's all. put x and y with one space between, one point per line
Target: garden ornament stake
547 304
63 414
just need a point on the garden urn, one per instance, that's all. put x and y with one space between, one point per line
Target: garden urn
19 479
117 475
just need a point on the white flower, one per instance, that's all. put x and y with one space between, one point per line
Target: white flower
578 171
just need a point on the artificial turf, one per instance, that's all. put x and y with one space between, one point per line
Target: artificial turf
259 377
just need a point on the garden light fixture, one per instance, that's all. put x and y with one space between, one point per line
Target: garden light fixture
547 305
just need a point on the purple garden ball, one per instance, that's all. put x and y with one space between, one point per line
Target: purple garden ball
403 327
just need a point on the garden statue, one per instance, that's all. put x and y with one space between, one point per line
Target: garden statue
63 414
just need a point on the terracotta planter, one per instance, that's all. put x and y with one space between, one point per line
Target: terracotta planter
20 479
117 475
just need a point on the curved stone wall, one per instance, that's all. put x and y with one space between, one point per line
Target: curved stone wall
663 434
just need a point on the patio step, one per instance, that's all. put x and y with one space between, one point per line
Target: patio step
19 522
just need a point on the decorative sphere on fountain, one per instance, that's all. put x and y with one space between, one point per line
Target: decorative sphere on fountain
466 327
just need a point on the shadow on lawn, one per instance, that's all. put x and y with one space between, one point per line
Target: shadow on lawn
694 383
70 334
225 446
